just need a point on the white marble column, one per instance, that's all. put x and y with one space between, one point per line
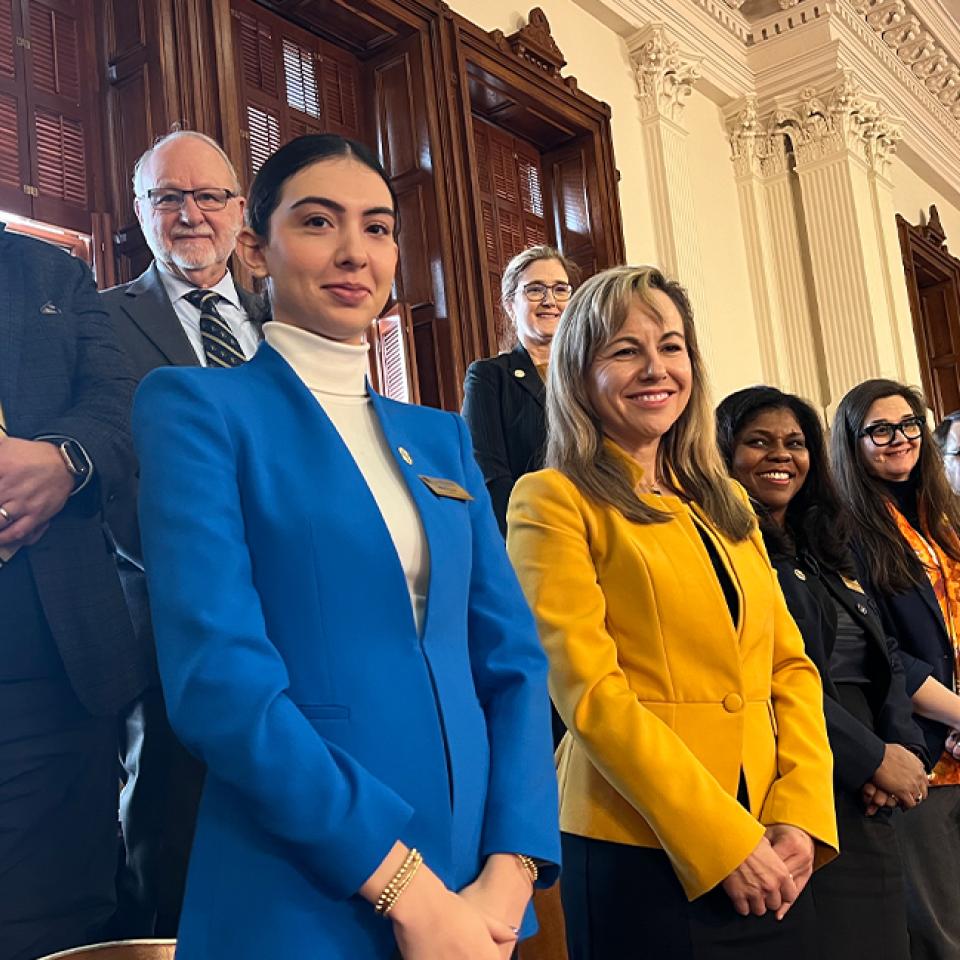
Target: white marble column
843 143
779 283
665 78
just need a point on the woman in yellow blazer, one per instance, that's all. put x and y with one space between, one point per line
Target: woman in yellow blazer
696 779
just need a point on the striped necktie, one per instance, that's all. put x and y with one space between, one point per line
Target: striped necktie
220 347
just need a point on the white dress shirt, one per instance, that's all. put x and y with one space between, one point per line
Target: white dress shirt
335 373
229 308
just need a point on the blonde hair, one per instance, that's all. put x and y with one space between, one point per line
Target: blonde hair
688 450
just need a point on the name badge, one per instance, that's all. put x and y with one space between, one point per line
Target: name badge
852 585
445 488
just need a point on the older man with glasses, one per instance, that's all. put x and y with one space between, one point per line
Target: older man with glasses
185 309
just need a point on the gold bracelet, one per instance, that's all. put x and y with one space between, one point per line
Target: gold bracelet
398 882
530 865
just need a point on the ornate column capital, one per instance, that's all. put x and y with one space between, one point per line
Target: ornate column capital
755 149
841 118
665 76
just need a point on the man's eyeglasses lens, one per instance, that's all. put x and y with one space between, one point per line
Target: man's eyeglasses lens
535 292
206 198
883 434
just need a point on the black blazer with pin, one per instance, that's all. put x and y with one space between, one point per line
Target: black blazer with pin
811 592
62 374
504 406
914 618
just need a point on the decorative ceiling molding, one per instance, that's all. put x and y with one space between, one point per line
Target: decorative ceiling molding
756 150
897 23
665 76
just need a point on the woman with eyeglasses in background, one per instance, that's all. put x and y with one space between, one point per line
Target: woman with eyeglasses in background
504 396
905 516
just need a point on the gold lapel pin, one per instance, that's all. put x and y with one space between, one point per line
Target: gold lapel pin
405 456
799 574
519 374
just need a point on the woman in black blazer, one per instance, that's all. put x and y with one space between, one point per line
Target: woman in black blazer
503 397
907 545
773 444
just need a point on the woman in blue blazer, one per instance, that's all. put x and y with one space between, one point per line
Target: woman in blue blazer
340 635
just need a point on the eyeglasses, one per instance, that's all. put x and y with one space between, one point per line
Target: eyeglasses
951 453
536 292
883 434
206 198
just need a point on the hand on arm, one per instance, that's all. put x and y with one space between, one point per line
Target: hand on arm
34 486
431 922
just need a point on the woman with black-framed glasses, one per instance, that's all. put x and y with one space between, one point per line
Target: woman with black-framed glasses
504 396
890 475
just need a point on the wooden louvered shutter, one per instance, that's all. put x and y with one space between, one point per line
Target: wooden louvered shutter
511 208
293 83
14 150
257 50
571 186
58 104
396 356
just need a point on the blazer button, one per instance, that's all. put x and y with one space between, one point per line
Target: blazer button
732 702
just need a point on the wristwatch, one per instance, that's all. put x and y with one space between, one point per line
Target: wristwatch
75 459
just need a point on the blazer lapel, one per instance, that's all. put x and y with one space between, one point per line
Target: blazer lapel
524 372
12 306
148 305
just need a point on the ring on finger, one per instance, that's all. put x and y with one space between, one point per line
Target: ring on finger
4 514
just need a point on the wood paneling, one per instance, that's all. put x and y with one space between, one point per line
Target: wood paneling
933 286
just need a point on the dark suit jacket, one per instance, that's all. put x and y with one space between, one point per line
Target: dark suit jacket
503 404
61 373
150 333
857 751
914 618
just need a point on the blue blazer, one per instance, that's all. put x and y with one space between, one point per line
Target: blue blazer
292 666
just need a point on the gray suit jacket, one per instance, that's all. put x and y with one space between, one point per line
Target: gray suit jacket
150 333
61 373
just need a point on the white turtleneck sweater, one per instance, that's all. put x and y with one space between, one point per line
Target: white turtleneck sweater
335 374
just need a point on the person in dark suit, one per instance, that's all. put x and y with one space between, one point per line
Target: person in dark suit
503 397
773 444
907 521
69 660
184 310
340 634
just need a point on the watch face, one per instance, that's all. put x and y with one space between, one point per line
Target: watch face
75 459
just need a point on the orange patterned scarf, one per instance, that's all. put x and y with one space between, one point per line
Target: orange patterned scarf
944 575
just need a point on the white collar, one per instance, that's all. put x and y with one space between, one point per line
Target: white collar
326 366
177 288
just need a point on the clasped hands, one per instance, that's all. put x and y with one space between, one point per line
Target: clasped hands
899 780
34 486
775 873
478 923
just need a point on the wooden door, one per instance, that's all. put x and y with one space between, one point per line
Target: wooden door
933 286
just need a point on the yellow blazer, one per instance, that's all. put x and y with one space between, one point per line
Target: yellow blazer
666 699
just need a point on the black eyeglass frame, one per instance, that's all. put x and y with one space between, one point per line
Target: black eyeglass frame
894 428
552 287
228 195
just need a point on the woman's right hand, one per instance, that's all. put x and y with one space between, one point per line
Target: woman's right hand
761 883
431 922
901 775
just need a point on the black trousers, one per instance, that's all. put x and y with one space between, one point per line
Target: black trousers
930 843
626 903
58 789
860 896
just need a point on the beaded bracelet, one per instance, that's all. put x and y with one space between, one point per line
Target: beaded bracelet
530 865
398 883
